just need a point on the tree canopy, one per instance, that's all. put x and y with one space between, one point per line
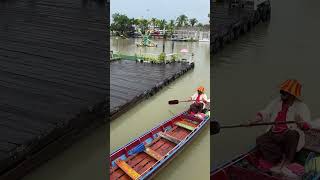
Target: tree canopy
123 25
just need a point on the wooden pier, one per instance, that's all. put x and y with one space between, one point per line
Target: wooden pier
133 81
53 78
230 22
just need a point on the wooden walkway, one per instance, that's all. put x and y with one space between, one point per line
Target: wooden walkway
229 23
223 17
131 81
52 77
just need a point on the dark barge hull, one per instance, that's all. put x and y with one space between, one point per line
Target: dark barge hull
52 79
132 81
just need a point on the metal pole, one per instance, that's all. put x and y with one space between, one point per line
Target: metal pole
172 46
164 43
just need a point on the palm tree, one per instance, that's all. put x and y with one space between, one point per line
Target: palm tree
170 27
162 24
171 23
200 25
193 21
182 20
136 22
144 25
154 21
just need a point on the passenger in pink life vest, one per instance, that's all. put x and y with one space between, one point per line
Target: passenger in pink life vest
199 101
280 143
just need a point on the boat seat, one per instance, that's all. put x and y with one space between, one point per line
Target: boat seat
169 138
153 154
127 169
186 125
312 142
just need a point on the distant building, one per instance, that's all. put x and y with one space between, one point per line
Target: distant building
194 33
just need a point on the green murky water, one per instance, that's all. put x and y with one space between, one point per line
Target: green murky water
154 110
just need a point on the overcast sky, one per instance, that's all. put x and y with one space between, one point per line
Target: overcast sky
162 9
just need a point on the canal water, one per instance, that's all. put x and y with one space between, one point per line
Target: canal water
86 158
247 73
245 78
193 162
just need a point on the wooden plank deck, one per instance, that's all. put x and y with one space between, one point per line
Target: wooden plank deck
229 23
52 76
132 81
223 17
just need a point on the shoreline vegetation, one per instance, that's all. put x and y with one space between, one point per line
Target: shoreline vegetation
126 27
162 58
181 29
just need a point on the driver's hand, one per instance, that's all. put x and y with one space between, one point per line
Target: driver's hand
303 125
258 118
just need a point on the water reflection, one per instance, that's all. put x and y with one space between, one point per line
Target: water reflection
247 72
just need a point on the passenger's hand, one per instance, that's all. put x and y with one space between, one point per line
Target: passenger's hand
303 125
249 122
300 124
258 117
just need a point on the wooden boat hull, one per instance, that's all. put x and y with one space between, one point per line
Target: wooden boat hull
231 170
249 171
172 157
158 147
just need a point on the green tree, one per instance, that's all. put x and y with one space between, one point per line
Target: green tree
158 22
144 25
136 22
193 21
200 25
162 24
170 27
182 20
153 21
122 25
172 23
